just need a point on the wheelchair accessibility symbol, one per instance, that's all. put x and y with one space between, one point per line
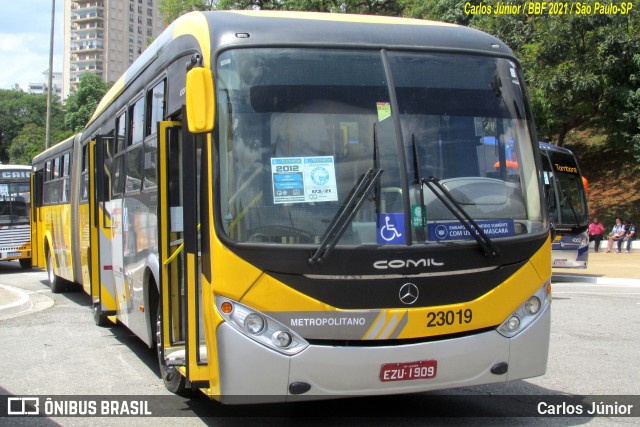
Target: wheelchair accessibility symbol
390 228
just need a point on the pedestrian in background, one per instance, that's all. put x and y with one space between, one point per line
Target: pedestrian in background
630 235
617 233
596 233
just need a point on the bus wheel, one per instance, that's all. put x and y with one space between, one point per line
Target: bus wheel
25 263
55 283
98 315
173 380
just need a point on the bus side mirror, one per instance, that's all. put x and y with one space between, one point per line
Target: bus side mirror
201 103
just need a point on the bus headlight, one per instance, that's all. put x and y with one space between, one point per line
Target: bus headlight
532 305
282 339
584 242
526 313
513 323
254 323
260 327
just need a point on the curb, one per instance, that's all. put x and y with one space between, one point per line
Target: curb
19 300
600 280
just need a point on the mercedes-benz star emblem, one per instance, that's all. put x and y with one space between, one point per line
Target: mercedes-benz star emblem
408 293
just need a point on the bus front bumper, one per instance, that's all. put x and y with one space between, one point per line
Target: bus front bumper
252 373
10 255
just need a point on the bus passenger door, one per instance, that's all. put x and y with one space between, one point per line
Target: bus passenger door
37 251
102 286
182 326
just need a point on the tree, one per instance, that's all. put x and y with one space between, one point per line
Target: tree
172 9
581 73
27 144
18 109
83 102
580 70
451 11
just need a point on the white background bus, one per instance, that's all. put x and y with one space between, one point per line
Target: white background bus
15 214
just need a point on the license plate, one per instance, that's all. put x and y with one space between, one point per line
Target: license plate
14 254
420 370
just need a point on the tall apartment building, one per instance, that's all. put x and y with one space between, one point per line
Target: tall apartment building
105 37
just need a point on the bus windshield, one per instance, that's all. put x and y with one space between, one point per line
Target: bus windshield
298 129
14 203
566 194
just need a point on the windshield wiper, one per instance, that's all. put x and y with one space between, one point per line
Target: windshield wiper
487 245
420 232
346 214
567 201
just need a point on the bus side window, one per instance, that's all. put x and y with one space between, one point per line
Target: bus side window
155 108
133 181
66 179
117 171
136 117
150 169
55 182
46 177
84 177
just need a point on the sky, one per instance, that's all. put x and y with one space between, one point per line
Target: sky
25 30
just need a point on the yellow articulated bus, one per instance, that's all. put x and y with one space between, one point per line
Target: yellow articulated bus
297 206
15 211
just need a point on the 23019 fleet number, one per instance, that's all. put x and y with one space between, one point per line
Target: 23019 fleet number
449 317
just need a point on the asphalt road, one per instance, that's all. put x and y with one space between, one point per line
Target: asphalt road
55 349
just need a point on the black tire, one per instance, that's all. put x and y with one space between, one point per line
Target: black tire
25 263
55 283
173 380
99 317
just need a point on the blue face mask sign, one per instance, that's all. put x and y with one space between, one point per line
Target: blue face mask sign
390 229
456 231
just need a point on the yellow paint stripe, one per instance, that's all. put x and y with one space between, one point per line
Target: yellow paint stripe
389 327
376 327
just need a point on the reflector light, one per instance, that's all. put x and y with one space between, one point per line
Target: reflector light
226 307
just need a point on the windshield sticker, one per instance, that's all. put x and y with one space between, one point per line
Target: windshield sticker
514 74
390 229
384 110
303 179
456 231
418 216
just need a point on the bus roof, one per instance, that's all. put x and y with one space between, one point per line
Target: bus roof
14 167
216 30
6 168
52 151
552 147
340 29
